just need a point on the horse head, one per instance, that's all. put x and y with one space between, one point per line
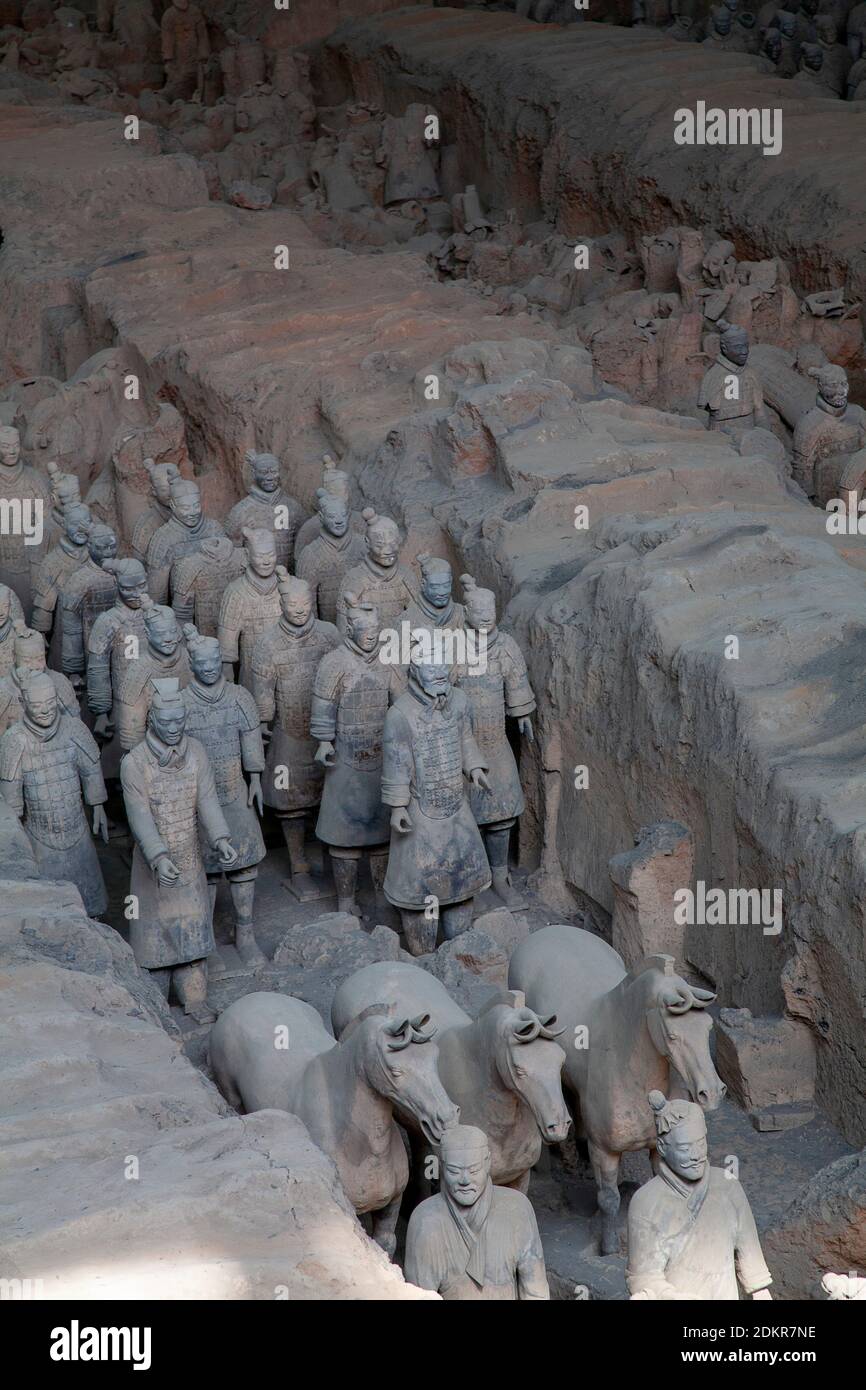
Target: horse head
404 1070
680 1030
530 1063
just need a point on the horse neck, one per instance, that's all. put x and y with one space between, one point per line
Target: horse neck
628 1038
359 1105
482 1043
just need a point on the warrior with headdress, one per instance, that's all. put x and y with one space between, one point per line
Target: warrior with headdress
19 482
691 1233
330 554
335 482
267 507
49 773
250 605
429 620
89 591
474 1240
285 660
379 578
28 648
347 718
158 510
184 533
832 426
163 656
172 805
62 560
224 719
496 682
65 492
437 862
199 580
731 392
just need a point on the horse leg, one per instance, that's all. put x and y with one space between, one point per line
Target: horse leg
605 1166
385 1226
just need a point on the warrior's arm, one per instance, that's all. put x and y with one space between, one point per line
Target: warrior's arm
72 644
158 582
531 1273
473 758
89 769
418 1265
44 603
752 1272
519 697
647 1262
397 761
325 701
167 28
141 822
228 631
264 681
99 694
11 780
182 599
208 806
252 748
202 40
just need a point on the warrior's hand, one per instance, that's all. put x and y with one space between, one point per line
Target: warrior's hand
254 797
228 855
401 820
525 727
103 728
326 754
167 872
478 778
100 823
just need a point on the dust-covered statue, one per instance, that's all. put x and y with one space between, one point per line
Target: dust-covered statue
731 393
184 533
89 591
379 578
163 656
170 796
330 554
52 573
250 605
267 507
28 654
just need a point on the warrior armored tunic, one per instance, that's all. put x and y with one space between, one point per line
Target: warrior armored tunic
350 701
7 634
51 576
268 511
390 591
428 747
821 432
250 605
198 582
133 693
224 719
109 655
323 564
12 698
146 526
19 561
419 616
312 528
169 793
43 773
497 688
170 543
87 593
284 664
732 396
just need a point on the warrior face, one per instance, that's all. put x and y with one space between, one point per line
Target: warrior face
788 25
364 629
266 470
296 602
133 589
383 543
333 514
684 1148
102 544
40 699
481 611
262 552
434 678
161 479
10 447
77 524
436 586
735 346
773 46
835 391
163 633
465 1164
168 720
206 660
813 58
722 22
186 504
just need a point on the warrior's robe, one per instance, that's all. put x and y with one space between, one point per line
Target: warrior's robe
497 1240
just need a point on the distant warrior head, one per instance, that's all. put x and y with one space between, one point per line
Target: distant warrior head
131 579
682 1135
167 715
383 539
261 551
296 598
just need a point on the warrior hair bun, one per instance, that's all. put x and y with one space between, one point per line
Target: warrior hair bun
423 557
282 573
468 581
147 604
369 514
722 325
113 566
657 1101
191 632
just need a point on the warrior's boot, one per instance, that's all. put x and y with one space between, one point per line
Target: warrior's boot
378 869
243 892
496 838
457 918
346 880
190 981
419 930
300 882
215 962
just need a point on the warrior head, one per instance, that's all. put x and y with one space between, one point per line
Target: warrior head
832 384
682 1135
161 625
480 605
333 511
721 18
65 488
825 24
465 1163
334 479
162 475
77 522
40 700
296 598
205 655
131 579
261 551
10 447
102 543
435 580
787 23
363 623
185 502
772 47
265 469
383 538
431 677
167 714
812 57
6 597
28 651
734 342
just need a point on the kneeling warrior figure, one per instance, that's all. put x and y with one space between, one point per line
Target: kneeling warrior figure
437 860
497 686
169 791
47 761
224 719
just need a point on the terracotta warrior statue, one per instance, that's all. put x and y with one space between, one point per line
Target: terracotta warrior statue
49 772
731 393
347 718
28 648
379 578
182 534
832 426
285 660
250 605
199 580
496 682
691 1233
19 482
336 482
330 554
158 511
433 612
267 507
473 1240
90 590
185 49
163 656
67 555
224 719
116 638
11 612
171 804
437 862
65 492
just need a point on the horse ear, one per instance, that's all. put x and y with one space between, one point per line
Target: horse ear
702 997
675 1001
547 1029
